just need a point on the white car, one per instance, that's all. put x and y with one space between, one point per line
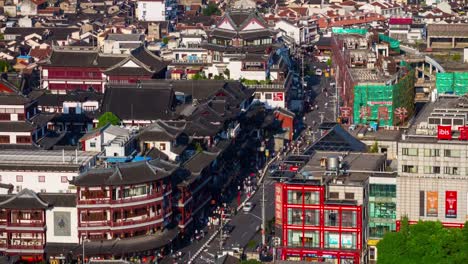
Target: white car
318 72
248 206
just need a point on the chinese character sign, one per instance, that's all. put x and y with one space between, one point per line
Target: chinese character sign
278 203
444 132
463 133
451 204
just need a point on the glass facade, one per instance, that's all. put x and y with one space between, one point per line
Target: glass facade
382 209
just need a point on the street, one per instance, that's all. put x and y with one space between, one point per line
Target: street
247 225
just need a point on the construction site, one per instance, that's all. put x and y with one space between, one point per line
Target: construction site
375 89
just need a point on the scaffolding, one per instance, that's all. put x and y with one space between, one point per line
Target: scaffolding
376 104
452 83
339 30
394 44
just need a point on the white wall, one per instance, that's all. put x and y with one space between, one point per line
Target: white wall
289 30
97 140
50 235
115 148
270 103
167 151
151 11
53 180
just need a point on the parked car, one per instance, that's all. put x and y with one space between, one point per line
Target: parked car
318 72
248 206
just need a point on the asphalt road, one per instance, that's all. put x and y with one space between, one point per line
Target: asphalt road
246 225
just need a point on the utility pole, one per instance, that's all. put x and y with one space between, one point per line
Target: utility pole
302 69
263 213
337 102
221 232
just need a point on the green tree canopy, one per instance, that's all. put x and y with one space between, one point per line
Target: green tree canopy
424 242
211 9
108 118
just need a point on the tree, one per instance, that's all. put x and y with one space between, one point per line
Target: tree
374 148
424 242
198 76
456 57
108 118
211 9
251 261
227 73
165 40
329 62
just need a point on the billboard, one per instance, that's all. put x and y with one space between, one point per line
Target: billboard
451 204
444 132
278 97
432 204
278 204
62 225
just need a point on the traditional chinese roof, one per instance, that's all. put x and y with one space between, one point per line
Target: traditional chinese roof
123 174
25 199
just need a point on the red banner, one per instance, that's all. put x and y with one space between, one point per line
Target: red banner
278 97
293 168
278 203
463 133
444 132
451 204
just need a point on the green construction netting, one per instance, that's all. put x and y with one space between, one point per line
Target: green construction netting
338 30
394 44
452 83
382 100
460 83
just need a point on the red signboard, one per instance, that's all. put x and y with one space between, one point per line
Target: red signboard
463 133
278 203
293 168
278 97
444 132
451 204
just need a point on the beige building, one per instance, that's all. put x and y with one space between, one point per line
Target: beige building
432 182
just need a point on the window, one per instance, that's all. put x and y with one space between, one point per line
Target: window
268 96
311 197
294 238
382 190
452 153
431 153
348 240
41 178
63 179
19 178
348 219
334 195
312 217
410 152
294 216
4 116
4 139
432 169
332 218
349 196
311 239
451 170
295 197
23 139
92 144
332 240
257 96
409 168
162 146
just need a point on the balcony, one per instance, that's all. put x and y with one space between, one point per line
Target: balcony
26 247
32 223
130 222
108 201
102 223
190 62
